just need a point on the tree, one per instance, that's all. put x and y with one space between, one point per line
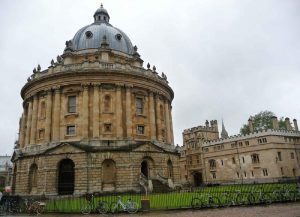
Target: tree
262 121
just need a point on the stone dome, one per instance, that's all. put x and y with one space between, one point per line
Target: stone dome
102 32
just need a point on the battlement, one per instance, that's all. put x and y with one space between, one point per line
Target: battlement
268 132
212 127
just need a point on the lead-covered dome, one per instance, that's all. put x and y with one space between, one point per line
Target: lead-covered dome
101 32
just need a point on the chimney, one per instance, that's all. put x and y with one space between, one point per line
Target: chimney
288 124
295 125
250 124
275 123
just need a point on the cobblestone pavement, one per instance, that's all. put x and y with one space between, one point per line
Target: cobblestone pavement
274 210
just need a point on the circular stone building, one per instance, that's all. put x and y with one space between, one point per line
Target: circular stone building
96 120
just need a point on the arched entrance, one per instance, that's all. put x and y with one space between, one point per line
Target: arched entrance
145 168
66 176
198 181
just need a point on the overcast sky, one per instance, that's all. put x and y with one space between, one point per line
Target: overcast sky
224 59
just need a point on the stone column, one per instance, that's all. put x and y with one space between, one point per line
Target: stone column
29 114
48 116
85 112
56 115
22 129
171 124
128 111
168 136
96 111
158 121
34 120
119 128
152 116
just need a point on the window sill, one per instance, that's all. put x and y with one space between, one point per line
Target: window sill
107 112
72 114
68 136
141 115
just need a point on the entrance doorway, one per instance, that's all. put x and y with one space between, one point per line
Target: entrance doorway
66 176
145 168
198 181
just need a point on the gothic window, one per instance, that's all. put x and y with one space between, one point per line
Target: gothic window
292 155
212 164
71 104
139 105
140 129
107 103
279 156
233 160
265 172
33 177
71 130
255 158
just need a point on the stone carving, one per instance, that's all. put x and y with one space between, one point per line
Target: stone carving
59 59
52 62
34 71
148 66
154 68
135 48
39 68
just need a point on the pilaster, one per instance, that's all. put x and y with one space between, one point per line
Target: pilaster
29 114
96 113
119 128
48 116
34 120
152 116
56 114
85 111
128 111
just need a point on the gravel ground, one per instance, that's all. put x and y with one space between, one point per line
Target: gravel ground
274 210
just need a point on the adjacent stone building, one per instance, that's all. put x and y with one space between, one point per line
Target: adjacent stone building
96 120
5 171
266 156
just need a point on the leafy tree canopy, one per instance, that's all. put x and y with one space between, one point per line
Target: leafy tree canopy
262 121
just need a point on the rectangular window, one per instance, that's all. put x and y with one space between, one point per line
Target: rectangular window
71 131
241 144
238 174
41 133
107 128
233 160
140 129
255 158
222 162
292 155
72 104
245 174
252 173
265 172
281 169
279 156
247 143
243 159
213 175
139 105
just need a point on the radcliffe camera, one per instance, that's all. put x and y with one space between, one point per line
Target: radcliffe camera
100 129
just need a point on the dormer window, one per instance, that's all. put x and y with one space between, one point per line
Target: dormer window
118 37
89 34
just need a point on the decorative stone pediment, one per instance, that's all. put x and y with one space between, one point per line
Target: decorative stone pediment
148 147
64 148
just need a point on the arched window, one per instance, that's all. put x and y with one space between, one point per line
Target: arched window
33 177
212 164
170 168
107 103
108 171
161 109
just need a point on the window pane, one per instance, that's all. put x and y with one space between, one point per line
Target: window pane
139 106
72 104
71 130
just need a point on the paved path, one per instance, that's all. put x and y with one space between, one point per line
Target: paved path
274 210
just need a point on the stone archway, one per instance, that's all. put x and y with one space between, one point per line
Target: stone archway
198 180
33 179
66 177
145 168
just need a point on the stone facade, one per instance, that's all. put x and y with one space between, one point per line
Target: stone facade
5 171
266 156
95 108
